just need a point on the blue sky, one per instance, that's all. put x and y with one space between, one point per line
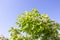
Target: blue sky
9 10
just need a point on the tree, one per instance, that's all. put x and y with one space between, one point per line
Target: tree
35 26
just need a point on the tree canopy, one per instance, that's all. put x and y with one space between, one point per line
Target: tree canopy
35 26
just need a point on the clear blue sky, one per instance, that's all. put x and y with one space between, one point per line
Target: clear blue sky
9 10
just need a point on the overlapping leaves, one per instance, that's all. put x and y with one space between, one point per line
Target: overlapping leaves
35 24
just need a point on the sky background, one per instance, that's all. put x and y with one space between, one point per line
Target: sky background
9 10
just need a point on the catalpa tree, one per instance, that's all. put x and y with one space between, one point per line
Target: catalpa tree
35 26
